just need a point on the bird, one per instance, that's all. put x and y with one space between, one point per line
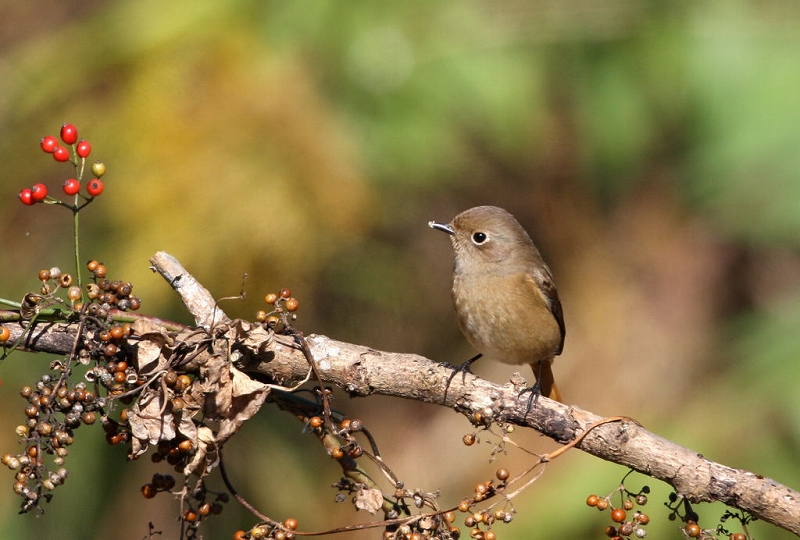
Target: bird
504 295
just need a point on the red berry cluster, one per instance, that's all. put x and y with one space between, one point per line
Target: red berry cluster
76 152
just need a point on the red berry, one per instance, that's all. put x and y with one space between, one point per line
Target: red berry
84 148
26 196
60 154
69 134
38 192
71 186
49 144
94 187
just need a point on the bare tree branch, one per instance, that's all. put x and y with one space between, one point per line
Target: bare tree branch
363 371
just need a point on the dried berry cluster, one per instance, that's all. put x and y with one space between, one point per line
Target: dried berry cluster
682 510
478 520
201 508
54 410
274 531
627 525
105 294
283 307
55 405
627 522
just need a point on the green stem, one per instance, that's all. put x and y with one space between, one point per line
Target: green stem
76 226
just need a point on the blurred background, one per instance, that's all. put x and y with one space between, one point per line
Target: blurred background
651 150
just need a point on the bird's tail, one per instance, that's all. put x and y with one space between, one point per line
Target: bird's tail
543 371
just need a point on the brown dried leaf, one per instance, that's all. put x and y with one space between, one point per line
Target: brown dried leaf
245 397
148 423
143 326
153 347
256 338
369 499
150 357
207 455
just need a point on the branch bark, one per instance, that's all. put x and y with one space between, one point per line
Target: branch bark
363 371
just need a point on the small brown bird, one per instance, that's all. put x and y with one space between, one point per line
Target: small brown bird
503 292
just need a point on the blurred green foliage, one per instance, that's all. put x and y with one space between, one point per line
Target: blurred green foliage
651 149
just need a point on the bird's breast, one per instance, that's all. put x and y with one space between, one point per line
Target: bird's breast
505 317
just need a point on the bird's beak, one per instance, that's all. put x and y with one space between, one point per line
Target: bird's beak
445 227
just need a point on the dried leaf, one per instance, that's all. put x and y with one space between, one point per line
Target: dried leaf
207 455
149 357
256 338
148 423
369 499
246 398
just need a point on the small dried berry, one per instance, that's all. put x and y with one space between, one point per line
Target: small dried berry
185 446
692 529
149 491
74 293
117 332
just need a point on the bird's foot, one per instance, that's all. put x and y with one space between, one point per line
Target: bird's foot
535 391
463 369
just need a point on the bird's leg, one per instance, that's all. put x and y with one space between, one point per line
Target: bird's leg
463 369
535 390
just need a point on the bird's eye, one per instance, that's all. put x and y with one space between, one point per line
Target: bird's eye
479 238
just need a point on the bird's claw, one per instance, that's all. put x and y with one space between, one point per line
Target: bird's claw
463 369
535 392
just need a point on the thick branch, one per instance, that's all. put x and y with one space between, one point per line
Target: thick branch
363 371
